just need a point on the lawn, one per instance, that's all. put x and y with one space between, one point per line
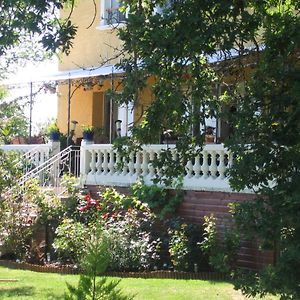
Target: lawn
39 286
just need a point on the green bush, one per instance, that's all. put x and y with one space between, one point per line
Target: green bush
184 250
94 262
222 254
71 240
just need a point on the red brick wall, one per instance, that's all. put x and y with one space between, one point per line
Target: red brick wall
197 204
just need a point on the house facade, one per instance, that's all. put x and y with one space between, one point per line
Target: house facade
95 52
85 98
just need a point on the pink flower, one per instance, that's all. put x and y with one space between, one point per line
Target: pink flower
83 208
105 216
87 197
94 202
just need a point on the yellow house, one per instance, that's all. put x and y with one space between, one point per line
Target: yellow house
91 73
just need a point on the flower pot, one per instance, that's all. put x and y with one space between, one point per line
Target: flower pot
54 136
88 136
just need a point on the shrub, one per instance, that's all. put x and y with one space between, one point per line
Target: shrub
71 240
159 200
131 243
222 255
184 250
94 261
19 215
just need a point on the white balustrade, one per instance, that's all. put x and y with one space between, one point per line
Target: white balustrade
102 165
36 154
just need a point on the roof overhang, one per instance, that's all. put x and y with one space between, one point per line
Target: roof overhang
62 76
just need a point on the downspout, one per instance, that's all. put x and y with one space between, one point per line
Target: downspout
30 112
69 109
111 108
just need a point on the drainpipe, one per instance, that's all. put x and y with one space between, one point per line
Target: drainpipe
111 108
69 108
30 112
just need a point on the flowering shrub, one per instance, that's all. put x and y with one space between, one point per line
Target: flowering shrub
19 213
131 243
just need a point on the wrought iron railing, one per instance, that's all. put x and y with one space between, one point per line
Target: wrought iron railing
50 172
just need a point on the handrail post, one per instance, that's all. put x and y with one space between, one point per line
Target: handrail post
85 157
55 147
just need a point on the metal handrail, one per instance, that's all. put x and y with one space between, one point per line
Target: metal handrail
55 166
29 155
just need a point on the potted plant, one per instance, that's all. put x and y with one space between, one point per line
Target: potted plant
88 132
53 132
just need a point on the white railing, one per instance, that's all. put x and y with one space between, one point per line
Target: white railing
50 172
207 171
31 155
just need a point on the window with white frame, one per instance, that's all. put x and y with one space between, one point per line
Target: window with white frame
111 14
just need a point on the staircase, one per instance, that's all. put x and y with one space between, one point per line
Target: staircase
49 172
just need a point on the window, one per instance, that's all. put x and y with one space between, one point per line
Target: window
110 13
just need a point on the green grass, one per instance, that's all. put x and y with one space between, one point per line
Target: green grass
40 286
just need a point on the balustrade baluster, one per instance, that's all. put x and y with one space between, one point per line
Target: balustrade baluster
125 166
117 164
189 169
93 162
138 163
131 164
145 163
99 162
105 162
213 165
151 168
111 164
205 167
197 166
221 167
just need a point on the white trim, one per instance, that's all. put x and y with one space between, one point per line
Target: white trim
69 74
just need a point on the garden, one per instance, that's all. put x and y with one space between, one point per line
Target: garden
107 234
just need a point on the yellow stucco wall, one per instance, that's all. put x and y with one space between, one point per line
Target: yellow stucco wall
91 47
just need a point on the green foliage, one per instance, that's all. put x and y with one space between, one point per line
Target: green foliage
18 219
41 20
175 46
9 171
131 241
160 200
183 246
71 239
126 221
222 251
94 261
52 128
12 121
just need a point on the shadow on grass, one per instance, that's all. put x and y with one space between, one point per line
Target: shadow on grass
14 292
51 296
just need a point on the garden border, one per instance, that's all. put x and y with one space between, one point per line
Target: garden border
163 274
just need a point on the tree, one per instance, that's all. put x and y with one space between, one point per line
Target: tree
13 122
256 73
27 23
